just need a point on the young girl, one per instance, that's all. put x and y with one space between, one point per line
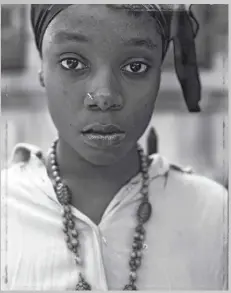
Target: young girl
95 213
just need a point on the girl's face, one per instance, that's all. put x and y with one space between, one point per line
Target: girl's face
116 57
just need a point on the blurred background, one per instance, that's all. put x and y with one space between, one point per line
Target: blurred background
199 140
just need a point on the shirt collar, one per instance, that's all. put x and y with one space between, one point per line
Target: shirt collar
33 160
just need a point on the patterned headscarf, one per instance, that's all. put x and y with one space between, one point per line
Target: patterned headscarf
175 22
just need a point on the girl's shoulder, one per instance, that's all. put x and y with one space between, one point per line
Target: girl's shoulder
192 211
187 192
182 178
189 200
25 170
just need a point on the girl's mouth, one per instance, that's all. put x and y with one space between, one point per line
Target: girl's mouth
103 136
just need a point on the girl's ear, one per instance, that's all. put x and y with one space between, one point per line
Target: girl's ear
41 78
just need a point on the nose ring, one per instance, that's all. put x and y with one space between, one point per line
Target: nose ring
90 96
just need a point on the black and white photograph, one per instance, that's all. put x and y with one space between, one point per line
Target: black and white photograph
114 147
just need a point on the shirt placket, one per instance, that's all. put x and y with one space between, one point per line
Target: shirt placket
93 267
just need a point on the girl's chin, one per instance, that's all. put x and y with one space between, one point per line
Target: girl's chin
102 156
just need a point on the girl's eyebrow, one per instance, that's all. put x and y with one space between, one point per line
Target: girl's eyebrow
62 36
137 42
70 36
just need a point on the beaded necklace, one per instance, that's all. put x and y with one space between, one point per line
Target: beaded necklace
71 234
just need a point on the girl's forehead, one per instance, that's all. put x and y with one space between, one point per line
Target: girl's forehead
94 19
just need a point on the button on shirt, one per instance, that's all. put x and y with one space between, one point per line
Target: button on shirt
186 237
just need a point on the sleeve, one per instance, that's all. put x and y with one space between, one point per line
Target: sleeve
212 207
204 207
214 233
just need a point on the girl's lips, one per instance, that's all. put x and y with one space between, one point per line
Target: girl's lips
100 140
104 129
103 135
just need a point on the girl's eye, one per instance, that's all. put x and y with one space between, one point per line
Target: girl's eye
72 64
136 67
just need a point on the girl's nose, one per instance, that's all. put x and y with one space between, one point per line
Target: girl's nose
103 100
104 91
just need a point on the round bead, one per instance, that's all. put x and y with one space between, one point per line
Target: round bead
140 229
53 150
74 233
54 168
133 254
139 253
139 245
60 186
67 208
66 194
54 143
144 190
133 275
144 211
55 174
145 183
69 216
52 155
59 196
137 235
132 263
65 188
141 237
145 197
134 245
66 216
64 199
145 176
74 242
53 162
58 179
71 224
144 167
59 192
138 262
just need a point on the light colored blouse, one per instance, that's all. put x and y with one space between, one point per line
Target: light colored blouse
185 247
